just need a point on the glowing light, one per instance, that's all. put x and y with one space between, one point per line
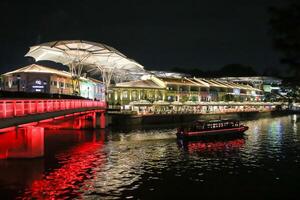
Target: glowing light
22 107
75 168
26 142
214 145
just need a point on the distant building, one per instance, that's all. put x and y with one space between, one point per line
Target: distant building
170 89
266 83
37 78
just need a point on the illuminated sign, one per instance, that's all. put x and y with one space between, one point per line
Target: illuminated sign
267 88
38 85
38 82
236 91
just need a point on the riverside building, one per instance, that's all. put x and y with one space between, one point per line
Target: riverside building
169 94
38 78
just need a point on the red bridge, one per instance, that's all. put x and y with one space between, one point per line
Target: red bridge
19 112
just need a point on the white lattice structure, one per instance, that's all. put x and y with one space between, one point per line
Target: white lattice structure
84 56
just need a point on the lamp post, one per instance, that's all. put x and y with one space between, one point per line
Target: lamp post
18 82
44 85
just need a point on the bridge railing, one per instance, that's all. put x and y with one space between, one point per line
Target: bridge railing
22 107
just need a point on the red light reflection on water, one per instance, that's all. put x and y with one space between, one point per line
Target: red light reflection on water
65 182
25 142
198 146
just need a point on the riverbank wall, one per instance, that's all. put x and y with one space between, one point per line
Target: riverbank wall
117 119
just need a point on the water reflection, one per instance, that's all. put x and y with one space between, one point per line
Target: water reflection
152 164
75 167
203 146
25 142
63 158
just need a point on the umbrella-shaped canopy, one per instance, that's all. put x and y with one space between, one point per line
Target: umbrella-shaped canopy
70 51
81 55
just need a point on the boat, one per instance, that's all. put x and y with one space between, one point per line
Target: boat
210 128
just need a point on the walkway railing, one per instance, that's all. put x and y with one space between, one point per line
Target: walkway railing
22 107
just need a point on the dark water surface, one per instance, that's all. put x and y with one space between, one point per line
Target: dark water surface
152 164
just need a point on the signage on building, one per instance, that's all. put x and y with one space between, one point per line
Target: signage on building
38 86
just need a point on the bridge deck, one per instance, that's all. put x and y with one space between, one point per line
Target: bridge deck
15 121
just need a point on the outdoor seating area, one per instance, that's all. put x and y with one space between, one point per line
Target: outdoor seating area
146 108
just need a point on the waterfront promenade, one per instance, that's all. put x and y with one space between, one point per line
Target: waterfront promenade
200 108
212 110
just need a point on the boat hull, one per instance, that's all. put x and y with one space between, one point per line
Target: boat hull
212 133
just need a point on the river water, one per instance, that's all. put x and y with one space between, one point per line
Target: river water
149 163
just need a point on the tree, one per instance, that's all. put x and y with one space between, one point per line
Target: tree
285 29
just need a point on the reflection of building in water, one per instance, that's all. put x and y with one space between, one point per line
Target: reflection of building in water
27 142
128 162
295 124
37 78
276 129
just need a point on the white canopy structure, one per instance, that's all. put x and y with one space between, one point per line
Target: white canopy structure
84 56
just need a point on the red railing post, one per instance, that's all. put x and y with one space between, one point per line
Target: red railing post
29 107
43 106
36 106
22 107
4 109
14 108
46 105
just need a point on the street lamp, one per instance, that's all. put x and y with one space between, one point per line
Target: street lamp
44 85
18 82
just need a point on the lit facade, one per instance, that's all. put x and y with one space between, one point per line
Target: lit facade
37 78
182 90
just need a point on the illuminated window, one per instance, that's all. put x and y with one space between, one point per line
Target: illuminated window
134 95
61 84
116 96
125 94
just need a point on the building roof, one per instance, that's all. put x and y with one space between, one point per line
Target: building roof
213 83
202 83
178 81
34 68
198 83
139 84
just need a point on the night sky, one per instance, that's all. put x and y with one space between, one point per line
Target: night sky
159 35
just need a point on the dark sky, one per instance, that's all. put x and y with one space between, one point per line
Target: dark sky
157 34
